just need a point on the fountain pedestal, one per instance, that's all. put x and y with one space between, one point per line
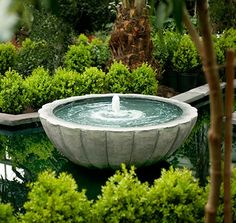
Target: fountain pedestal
108 147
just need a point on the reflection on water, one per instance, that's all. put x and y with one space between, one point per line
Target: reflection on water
24 154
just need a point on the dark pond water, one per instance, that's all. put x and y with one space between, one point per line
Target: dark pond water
26 153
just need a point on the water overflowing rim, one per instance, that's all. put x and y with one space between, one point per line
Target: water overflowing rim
47 113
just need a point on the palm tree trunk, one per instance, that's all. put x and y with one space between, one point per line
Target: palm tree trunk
131 37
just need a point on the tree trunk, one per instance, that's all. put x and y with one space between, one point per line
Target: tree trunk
131 39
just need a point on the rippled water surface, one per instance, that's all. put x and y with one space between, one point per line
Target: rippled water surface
133 112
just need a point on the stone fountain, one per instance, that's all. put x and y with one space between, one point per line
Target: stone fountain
103 131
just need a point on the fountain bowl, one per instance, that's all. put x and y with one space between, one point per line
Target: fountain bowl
108 147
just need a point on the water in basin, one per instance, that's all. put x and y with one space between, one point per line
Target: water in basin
116 113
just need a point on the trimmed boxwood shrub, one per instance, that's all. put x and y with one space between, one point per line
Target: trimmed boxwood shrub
6 214
39 85
119 78
13 94
7 57
53 199
164 47
228 40
144 80
176 197
93 81
78 57
185 58
66 83
31 55
123 199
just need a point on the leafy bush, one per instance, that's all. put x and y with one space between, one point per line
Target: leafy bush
100 53
6 214
164 47
123 199
7 57
93 81
13 94
83 16
78 57
176 197
54 199
228 40
220 211
223 14
66 83
119 78
39 86
55 32
144 80
31 55
185 58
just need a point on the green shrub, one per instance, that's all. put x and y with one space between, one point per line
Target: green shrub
40 88
55 32
93 81
220 211
7 57
123 199
222 14
164 47
13 94
31 55
78 57
54 199
66 83
176 197
228 40
100 53
185 58
6 214
144 80
119 78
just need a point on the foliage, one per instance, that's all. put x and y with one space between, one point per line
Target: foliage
123 199
93 81
78 57
164 47
54 199
144 80
185 58
55 32
119 78
223 14
39 85
7 57
6 214
100 53
220 211
220 55
13 94
176 197
83 16
66 83
228 40
31 55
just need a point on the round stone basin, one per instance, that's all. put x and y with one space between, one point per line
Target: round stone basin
145 130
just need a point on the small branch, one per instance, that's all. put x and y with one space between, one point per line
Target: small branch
228 135
193 33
